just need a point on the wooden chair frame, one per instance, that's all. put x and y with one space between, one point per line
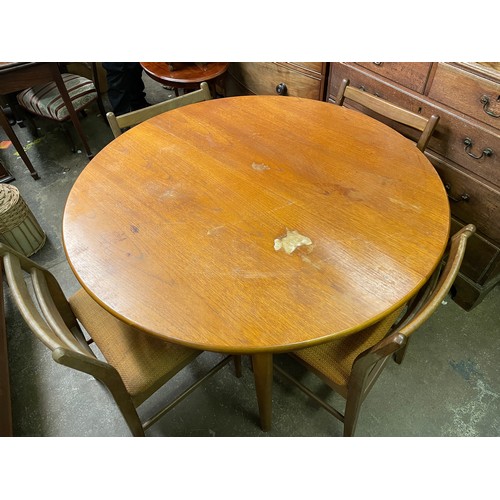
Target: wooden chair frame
117 123
369 364
54 323
384 108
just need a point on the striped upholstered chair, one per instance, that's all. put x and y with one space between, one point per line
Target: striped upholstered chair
47 101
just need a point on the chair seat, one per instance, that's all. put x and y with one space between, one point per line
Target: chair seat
143 361
335 358
45 99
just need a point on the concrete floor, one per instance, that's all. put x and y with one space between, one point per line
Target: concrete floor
448 385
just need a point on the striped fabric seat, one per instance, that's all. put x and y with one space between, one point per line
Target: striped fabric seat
45 99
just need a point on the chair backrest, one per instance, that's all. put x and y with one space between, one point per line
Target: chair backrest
384 108
117 123
47 312
368 364
49 316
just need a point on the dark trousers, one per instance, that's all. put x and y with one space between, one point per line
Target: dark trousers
125 86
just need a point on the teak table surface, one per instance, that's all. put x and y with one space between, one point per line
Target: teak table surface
172 226
184 74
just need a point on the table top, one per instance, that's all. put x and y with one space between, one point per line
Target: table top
16 76
184 73
179 225
13 65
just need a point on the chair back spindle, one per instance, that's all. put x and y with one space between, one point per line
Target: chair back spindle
118 123
390 111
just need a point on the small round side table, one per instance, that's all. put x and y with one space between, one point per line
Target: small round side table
187 75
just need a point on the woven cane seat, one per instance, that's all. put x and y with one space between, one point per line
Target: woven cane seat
142 360
45 99
334 359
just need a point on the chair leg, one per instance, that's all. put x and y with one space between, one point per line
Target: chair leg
100 105
130 415
400 354
72 113
32 126
4 123
68 135
352 407
237 365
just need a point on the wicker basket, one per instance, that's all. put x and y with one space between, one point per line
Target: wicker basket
18 227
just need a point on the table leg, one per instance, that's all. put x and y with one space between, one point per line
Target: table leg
4 123
263 374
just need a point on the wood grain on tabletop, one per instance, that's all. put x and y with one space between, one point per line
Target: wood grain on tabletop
172 225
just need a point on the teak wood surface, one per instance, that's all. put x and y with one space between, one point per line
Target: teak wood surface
184 75
172 226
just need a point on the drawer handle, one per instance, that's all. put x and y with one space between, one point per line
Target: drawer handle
468 145
281 89
485 101
363 88
462 197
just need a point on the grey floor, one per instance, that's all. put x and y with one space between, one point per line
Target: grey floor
448 385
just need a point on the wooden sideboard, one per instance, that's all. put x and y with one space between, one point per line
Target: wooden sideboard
301 79
465 148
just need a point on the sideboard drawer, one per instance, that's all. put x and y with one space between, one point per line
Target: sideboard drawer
482 206
411 75
471 94
316 67
264 78
474 147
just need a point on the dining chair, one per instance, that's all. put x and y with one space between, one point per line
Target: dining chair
135 364
351 365
61 97
118 123
391 111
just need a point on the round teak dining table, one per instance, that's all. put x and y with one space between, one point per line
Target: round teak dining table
256 225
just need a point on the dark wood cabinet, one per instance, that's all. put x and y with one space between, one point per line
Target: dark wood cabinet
465 148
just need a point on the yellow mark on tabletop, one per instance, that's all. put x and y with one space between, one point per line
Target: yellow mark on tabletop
291 241
260 167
